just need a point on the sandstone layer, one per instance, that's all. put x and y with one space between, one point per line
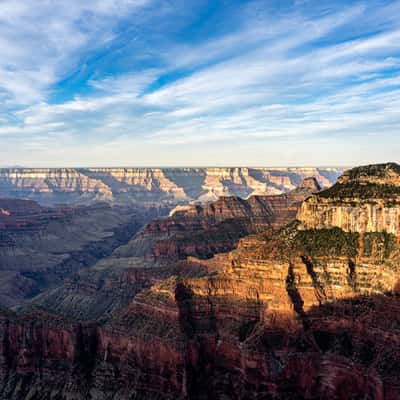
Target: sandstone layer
365 199
204 230
133 185
161 248
292 312
41 246
285 316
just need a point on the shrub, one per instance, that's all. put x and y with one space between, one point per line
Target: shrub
323 242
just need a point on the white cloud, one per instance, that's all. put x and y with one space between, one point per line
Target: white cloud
41 41
132 83
262 83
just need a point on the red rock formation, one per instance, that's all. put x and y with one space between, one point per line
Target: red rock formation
280 319
204 230
238 334
18 216
289 314
41 246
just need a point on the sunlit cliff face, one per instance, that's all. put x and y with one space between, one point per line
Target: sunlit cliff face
174 185
302 309
363 200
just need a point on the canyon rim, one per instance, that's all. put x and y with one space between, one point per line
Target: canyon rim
282 296
199 200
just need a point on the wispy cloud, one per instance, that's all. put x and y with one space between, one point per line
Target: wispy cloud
41 41
267 80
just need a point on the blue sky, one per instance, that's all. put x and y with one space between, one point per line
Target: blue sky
196 82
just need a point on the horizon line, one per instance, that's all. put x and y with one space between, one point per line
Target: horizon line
182 166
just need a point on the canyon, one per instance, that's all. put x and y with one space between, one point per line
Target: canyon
53 186
168 247
40 246
292 295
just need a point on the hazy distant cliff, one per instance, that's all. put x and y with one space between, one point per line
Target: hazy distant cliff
124 185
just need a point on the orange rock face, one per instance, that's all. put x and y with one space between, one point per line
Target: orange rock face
365 199
204 230
272 323
289 313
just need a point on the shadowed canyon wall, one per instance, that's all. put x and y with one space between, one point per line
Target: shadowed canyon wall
161 249
41 246
309 310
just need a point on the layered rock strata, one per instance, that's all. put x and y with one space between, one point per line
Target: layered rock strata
286 316
291 313
172 185
204 230
153 254
365 199
41 246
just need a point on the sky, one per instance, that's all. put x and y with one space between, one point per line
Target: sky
199 82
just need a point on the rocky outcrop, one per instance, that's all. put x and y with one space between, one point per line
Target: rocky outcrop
309 185
376 216
95 294
205 230
171 185
41 246
291 313
365 199
153 254
288 315
18 216
299 314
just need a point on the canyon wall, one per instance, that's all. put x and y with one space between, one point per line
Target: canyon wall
175 185
309 310
204 230
162 247
374 216
365 199
284 316
41 246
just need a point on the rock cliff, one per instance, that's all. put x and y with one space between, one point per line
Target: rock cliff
161 248
204 230
365 199
173 185
292 315
295 315
41 246
295 312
